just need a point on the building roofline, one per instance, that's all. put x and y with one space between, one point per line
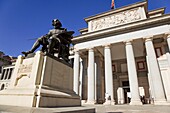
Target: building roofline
147 22
83 29
159 10
117 10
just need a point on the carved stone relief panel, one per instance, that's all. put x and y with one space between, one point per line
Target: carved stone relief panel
23 71
116 19
25 68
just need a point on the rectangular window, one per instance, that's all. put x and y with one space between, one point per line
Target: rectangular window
0 69
6 74
114 68
140 65
11 70
158 51
3 74
125 83
124 67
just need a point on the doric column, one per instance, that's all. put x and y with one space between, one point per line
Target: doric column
132 74
98 78
91 78
81 78
151 91
109 96
95 79
76 72
159 95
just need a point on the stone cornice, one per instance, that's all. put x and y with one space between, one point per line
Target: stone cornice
117 10
160 10
147 23
83 30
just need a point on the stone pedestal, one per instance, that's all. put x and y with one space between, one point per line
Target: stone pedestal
164 65
120 95
40 81
155 75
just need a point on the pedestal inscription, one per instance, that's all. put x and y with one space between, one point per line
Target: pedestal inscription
23 71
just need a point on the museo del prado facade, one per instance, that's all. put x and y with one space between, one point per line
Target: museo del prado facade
122 57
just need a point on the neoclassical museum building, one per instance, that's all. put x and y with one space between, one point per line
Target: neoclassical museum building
123 57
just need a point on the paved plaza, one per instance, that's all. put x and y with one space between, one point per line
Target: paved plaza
89 109
132 109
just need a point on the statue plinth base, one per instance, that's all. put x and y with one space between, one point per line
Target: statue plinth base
40 81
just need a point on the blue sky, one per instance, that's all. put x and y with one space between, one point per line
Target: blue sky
22 20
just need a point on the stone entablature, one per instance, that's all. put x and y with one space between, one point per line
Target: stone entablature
156 13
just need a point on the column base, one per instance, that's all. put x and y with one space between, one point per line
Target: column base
109 102
161 103
83 101
135 102
91 102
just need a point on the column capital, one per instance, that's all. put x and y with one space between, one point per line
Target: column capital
20 57
148 38
107 45
90 49
128 42
76 51
167 35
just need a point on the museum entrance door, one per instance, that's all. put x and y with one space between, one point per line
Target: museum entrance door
126 90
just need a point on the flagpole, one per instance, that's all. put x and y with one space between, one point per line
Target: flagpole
113 4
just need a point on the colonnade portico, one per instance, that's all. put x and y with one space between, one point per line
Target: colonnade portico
109 94
91 86
153 69
132 43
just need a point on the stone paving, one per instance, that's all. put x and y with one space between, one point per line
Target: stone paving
89 109
16 109
131 109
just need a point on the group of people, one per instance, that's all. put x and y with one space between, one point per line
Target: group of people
58 40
